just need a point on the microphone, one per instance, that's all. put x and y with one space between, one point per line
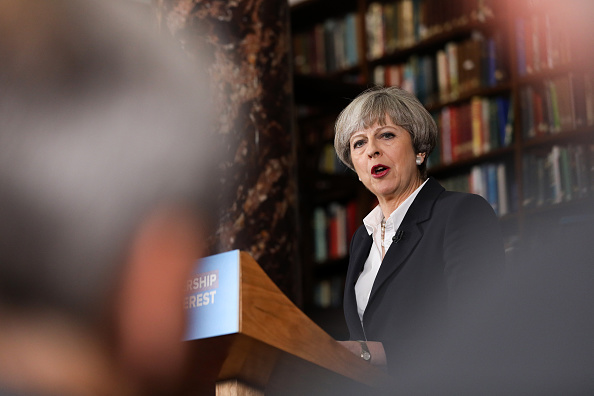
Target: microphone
398 236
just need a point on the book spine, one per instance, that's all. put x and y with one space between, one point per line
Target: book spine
379 75
391 24
443 75
455 132
555 121
451 51
520 46
473 62
555 178
494 125
476 108
492 186
503 196
408 24
507 110
464 125
329 45
351 42
320 239
567 181
485 125
333 227
374 26
528 45
589 97
578 88
446 135
341 231
535 29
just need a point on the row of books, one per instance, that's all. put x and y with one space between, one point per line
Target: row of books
473 128
329 162
541 44
454 70
558 175
492 181
329 46
328 293
333 228
563 103
316 137
399 24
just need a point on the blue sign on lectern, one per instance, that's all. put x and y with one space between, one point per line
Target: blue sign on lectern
212 297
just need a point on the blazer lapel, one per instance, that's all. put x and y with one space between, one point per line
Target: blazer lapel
359 255
362 243
411 232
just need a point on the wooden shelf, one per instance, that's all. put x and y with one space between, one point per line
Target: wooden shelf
309 12
500 89
576 207
325 91
436 41
585 134
329 187
464 164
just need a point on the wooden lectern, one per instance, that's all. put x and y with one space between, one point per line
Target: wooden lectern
275 349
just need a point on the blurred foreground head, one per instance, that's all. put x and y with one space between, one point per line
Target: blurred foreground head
104 142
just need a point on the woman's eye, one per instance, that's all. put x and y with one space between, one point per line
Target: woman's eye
358 144
387 135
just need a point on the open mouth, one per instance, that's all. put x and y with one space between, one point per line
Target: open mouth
379 170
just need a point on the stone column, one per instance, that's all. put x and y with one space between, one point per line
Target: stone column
245 44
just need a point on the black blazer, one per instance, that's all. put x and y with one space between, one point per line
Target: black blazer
450 246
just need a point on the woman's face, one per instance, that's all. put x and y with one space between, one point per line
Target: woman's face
384 159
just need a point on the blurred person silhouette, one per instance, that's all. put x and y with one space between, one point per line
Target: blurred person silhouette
104 190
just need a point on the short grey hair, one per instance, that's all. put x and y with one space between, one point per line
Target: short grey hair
373 106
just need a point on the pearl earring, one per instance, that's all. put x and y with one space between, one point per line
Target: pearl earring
419 160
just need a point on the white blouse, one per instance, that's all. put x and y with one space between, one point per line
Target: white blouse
372 224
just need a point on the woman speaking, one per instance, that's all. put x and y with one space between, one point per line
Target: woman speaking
423 251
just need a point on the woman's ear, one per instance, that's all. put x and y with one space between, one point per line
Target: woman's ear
421 158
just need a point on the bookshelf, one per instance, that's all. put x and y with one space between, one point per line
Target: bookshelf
509 83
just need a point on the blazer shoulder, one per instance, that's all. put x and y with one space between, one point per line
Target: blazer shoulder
465 201
361 231
360 240
359 236
464 211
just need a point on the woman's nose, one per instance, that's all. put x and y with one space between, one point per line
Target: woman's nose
372 150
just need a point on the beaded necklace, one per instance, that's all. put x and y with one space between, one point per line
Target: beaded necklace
383 226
